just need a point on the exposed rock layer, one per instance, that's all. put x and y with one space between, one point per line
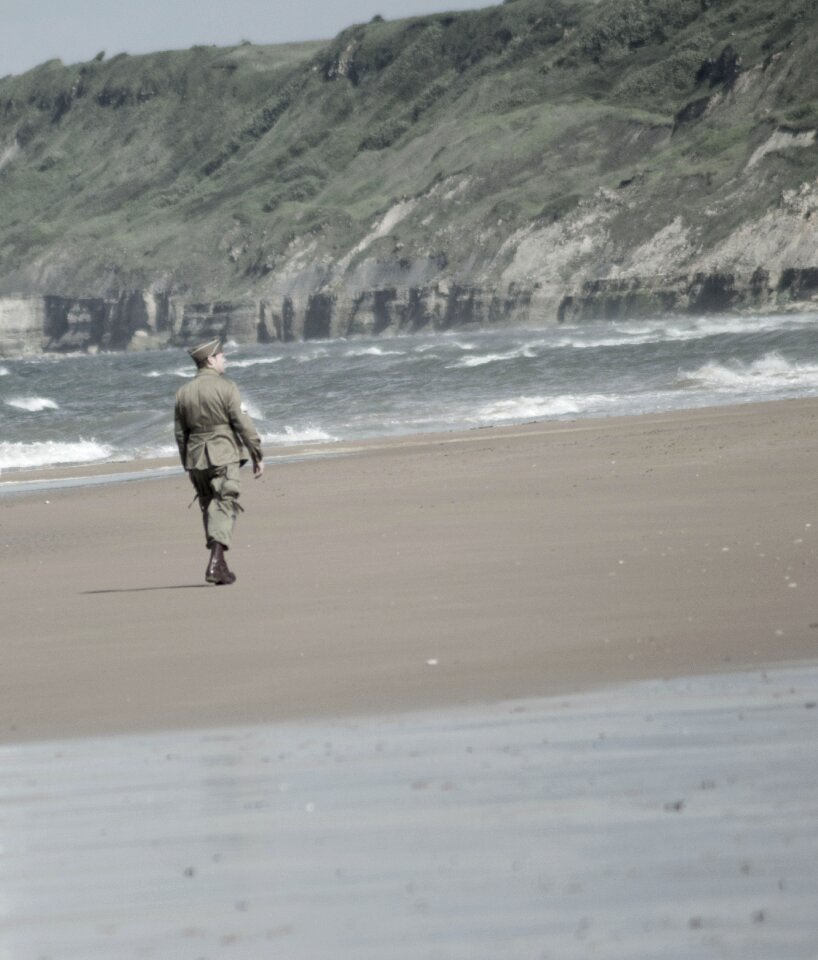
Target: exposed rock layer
141 321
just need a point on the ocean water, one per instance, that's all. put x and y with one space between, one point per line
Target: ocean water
77 408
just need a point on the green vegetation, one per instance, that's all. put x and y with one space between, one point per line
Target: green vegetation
206 169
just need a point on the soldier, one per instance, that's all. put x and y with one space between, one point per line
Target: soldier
210 429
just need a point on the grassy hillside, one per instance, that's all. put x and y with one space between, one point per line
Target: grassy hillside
416 148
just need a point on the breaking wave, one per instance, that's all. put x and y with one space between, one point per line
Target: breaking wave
32 404
51 452
251 409
186 373
770 371
537 408
254 362
308 434
481 360
374 352
639 333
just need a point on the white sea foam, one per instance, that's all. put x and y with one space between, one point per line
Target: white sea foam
251 409
254 362
536 408
187 373
156 452
770 371
4 371
629 335
718 326
50 452
480 360
32 404
318 354
591 343
308 434
373 352
469 362
637 333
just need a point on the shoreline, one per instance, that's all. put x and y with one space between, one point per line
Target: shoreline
416 573
63 475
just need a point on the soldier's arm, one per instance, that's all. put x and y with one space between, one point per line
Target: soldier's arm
181 433
244 427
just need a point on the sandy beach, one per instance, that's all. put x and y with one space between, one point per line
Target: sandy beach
540 691
427 572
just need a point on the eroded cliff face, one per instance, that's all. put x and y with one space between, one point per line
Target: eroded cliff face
141 321
22 324
518 165
137 322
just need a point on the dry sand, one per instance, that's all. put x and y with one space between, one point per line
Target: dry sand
436 571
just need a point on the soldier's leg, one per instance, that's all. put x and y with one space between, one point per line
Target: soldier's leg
224 503
201 484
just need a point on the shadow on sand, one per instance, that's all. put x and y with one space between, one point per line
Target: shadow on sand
180 586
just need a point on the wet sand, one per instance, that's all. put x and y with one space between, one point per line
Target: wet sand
671 819
419 573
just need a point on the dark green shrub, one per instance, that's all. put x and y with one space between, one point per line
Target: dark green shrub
297 191
669 76
629 24
384 134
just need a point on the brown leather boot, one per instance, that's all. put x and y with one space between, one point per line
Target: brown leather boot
217 570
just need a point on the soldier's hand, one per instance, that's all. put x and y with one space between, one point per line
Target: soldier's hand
258 469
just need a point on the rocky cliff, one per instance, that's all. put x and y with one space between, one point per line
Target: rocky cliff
538 162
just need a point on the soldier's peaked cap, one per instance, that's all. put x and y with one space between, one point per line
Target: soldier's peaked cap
204 350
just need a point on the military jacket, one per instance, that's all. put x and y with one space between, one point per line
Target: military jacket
210 425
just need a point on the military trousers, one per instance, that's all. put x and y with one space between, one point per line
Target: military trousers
217 489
